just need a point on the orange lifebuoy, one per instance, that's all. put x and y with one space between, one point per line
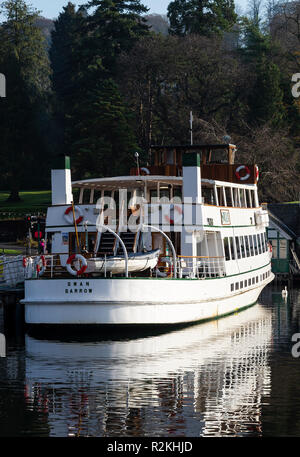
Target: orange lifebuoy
76 209
178 209
40 269
244 168
70 261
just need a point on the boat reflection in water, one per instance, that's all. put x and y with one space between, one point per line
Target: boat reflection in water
206 379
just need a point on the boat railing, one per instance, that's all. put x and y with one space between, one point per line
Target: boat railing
200 267
11 270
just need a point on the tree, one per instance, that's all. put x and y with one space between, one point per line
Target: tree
166 77
24 61
266 96
204 17
113 27
67 67
104 141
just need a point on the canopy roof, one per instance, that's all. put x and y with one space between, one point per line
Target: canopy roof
127 182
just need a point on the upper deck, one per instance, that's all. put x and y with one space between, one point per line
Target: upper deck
217 163
214 192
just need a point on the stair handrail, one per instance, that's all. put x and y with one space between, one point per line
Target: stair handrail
170 244
105 227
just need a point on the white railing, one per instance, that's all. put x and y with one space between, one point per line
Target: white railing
200 267
12 272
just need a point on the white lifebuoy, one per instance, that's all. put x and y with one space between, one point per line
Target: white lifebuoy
175 220
68 215
239 169
145 170
71 260
40 265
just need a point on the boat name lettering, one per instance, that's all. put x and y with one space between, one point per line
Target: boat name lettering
78 287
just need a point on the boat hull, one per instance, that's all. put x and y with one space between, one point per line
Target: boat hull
133 301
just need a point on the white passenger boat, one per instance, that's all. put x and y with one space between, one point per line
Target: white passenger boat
194 206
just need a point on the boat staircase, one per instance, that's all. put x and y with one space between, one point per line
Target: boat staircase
130 240
109 245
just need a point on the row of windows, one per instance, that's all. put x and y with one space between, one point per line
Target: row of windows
239 247
248 282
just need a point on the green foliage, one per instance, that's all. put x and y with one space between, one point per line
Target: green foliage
208 17
23 113
114 27
103 138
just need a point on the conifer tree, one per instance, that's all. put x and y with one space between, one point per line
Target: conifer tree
24 61
104 141
203 17
114 27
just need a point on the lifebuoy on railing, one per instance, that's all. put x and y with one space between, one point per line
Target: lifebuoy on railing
24 262
69 215
145 171
256 173
270 248
71 259
245 169
176 209
40 265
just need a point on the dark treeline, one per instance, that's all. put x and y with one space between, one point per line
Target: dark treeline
103 84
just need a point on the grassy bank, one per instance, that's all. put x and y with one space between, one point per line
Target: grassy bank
31 202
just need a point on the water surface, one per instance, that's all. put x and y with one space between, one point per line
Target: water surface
235 376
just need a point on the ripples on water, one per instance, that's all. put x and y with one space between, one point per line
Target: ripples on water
231 377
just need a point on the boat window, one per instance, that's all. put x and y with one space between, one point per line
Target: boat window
266 242
263 244
208 196
236 286
238 249
259 243
251 245
255 245
241 284
242 198
249 282
228 196
243 253
247 246
245 283
233 256
177 192
256 278
253 280
226 249
232 287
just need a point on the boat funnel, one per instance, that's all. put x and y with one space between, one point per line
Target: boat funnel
192 176
61 181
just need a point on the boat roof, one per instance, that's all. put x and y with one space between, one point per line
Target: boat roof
151 181
127 182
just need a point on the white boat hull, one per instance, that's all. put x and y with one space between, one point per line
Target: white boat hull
133 301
